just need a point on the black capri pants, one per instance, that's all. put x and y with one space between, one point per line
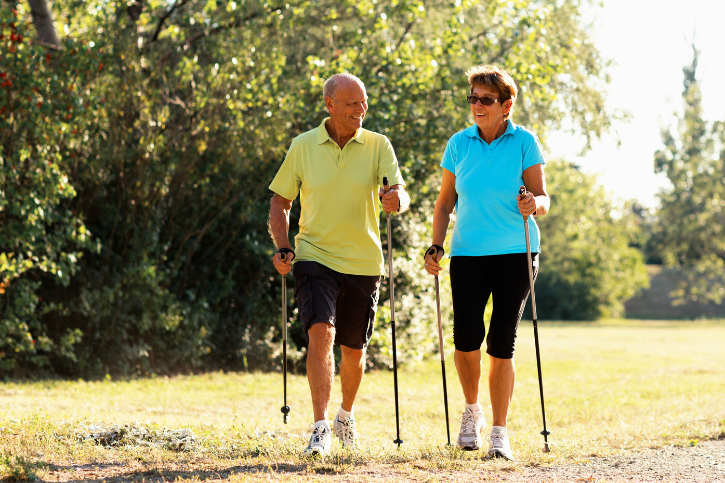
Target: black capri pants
473 281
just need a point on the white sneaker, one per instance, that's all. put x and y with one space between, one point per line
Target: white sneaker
499 446
472 422
320 441
347 432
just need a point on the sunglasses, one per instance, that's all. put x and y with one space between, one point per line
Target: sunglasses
486 101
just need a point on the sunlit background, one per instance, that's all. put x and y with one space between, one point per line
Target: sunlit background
648 42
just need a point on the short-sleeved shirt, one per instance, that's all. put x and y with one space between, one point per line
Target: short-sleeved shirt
488 177
338 191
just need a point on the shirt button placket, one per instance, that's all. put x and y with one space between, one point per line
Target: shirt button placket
341 159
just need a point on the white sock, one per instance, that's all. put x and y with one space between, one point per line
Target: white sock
342 414
498 430
474 407
324 423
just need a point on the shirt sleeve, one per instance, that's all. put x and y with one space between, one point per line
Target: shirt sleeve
450 155
388 166
287 182
532 153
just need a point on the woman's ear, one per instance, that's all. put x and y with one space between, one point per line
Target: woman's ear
510 103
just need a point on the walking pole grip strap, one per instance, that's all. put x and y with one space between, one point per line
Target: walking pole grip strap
429 251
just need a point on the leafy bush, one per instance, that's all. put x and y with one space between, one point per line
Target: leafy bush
41 237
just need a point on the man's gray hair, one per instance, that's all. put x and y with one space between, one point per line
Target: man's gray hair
331 84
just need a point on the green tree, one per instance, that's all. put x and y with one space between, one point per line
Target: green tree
691 220
588 264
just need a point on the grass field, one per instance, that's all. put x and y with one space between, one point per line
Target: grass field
609 386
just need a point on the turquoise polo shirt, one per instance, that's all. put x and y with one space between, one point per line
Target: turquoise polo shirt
488 177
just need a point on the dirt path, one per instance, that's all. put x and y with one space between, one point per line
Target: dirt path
704 462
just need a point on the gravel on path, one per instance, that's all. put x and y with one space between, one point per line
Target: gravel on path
703 462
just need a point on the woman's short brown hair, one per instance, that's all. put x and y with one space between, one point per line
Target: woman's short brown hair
495 78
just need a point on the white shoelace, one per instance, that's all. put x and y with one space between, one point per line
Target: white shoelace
468 421
318 435
497 440
348 430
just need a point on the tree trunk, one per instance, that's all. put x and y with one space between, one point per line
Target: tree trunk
134 11
43 22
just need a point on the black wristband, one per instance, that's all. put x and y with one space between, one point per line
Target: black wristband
287 251
437 247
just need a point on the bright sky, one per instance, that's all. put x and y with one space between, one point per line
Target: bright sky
649 41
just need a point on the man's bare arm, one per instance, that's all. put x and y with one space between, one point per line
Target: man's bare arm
279 209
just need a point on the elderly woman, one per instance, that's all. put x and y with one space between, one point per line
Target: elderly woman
483 167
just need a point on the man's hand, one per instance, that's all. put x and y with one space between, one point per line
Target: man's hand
283 267
390 200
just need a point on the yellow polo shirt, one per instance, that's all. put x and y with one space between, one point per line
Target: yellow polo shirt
338 191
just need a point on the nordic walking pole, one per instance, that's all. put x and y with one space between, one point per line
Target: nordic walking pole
285 409
397 440
434 253
545 433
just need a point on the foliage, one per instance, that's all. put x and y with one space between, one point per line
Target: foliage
180 118
16 468
588 266
40 236
691 220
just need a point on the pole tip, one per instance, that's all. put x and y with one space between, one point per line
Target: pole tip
285 410
546 448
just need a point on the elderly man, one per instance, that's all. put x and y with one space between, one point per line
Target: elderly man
337 169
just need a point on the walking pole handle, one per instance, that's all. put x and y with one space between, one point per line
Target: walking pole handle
523 192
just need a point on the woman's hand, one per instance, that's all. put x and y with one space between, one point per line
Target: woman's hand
431 262
527 204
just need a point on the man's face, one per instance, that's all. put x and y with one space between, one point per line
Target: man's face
348 105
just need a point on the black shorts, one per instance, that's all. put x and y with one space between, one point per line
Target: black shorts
347 302
473 281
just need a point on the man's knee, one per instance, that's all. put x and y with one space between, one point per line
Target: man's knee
355 356
321 333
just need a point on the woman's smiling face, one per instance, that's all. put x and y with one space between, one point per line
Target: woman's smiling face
487 118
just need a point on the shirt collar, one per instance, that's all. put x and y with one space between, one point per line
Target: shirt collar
473 130
323 136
